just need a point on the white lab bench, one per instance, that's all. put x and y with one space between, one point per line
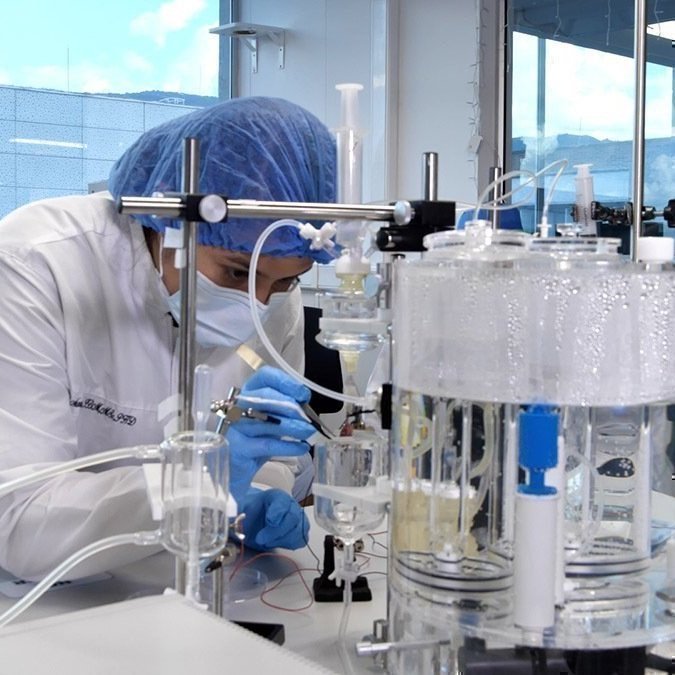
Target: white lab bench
310 634
53 632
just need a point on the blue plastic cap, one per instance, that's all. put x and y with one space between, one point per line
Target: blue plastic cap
538 436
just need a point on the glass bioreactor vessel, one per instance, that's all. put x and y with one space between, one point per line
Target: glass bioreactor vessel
531 382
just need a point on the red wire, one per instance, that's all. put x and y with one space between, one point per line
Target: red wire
298 570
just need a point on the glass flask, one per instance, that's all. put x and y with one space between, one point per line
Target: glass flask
347 469
182 479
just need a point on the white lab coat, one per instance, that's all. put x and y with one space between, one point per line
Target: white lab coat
88 350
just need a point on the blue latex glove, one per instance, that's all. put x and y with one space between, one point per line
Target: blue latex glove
273 520
253 442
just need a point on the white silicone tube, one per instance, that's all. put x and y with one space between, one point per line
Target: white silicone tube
278 358
534 566
149 452
146 538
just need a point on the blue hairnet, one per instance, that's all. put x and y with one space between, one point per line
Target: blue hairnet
250 148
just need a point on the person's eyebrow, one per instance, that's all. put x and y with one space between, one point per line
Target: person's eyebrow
245 263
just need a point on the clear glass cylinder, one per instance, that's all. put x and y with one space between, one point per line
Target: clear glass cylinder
454 471
485 324
607 454
186 484
346 501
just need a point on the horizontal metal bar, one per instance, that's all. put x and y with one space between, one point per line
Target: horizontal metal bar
251 209
174 206
164 207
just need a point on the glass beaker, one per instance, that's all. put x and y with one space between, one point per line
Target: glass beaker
454 473
347 469
607 514
182 479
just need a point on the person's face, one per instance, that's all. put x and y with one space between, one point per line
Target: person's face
230 270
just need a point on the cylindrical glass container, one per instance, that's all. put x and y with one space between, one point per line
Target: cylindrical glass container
345 485
488 322
186 485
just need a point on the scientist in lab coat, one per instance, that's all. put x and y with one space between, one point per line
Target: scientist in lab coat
88 333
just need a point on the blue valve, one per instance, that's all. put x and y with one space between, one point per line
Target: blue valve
538 447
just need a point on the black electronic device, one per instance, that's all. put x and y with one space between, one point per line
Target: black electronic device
270 631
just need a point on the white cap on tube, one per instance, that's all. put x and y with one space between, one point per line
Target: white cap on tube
583 169
349 104
655 249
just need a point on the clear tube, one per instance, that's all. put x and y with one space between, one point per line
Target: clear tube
281 362
343 648
349 148
146 538
530 177
201 404
596 518
554 183
137 452
481 203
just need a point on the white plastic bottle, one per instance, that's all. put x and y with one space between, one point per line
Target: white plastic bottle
583 183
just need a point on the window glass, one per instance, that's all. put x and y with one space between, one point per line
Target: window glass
80 81
572 97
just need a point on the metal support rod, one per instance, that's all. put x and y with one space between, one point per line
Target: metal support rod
188 313
188 291
218 590
497 192
173 206
640 56
430 176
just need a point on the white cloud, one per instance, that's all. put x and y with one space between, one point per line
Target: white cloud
587 92
195 69
137 62
170 17
192 69
659 178
44 77
82 77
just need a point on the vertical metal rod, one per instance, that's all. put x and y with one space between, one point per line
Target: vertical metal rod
541 126
188 313
640 56
188 290
430 179
218 590
497 192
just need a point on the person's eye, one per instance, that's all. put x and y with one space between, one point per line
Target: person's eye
284 285
237 275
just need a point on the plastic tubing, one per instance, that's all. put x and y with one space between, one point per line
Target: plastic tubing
595 522
530 177
348 552
549 195
146 538
281 362
137 451
481 203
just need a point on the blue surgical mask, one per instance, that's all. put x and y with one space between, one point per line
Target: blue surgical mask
224 314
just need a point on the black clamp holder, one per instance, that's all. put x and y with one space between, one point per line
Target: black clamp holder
328 590
429 216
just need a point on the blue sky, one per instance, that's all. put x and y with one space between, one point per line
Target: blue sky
131 45
113 46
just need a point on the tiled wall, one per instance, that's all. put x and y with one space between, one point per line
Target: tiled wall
78 136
